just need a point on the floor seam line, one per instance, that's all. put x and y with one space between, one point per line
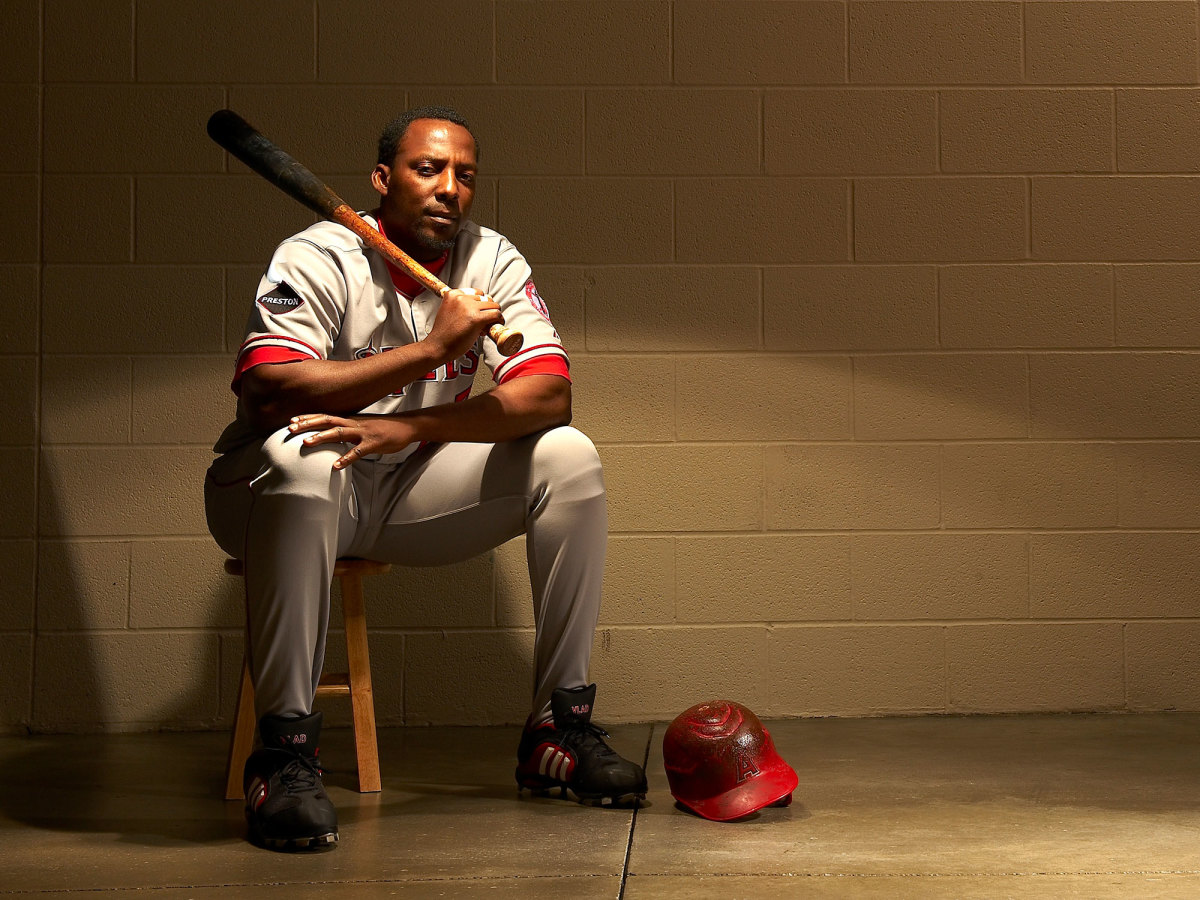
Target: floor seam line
633 819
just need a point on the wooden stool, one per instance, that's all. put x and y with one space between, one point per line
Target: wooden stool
356 683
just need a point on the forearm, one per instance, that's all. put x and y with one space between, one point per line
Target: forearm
505 413
272 394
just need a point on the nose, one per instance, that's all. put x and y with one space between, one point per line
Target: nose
447 185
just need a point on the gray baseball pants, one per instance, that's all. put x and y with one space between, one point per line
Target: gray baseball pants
288 514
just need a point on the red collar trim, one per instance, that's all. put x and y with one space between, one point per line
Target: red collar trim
405 283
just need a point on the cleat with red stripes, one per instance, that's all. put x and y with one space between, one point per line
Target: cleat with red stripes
286 804
569 752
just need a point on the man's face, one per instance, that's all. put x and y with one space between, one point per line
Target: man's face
429 187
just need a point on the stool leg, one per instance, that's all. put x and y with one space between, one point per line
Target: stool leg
362 698
242 741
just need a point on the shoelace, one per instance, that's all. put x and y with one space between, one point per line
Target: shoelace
300 775
595 732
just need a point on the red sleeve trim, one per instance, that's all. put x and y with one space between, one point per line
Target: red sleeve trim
500 374
539 365
258 356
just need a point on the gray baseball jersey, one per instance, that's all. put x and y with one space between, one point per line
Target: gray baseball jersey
323 297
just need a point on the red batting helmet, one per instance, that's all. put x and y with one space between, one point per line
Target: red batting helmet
721 762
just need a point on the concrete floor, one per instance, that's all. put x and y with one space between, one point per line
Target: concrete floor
1036 806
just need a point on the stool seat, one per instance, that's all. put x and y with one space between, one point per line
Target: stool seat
356 684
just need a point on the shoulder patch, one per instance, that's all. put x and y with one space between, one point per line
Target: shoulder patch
281 299
535 298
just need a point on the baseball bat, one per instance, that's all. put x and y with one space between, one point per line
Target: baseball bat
249 145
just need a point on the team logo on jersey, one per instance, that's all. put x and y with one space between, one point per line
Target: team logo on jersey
282 299
535 298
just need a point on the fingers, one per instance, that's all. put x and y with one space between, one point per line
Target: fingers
353 454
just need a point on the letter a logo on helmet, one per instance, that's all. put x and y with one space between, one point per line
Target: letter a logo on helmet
721 762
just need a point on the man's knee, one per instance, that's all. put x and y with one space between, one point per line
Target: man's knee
564 458
298 470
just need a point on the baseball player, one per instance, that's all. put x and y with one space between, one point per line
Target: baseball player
356 436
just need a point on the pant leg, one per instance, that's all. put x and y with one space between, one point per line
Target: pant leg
455 501
287 514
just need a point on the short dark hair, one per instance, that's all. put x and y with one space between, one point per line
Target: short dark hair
393 133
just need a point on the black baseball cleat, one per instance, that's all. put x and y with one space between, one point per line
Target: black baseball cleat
286 804
570 753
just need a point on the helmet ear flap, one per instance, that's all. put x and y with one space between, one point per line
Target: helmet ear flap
722 764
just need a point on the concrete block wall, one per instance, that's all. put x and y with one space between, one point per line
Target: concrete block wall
881 312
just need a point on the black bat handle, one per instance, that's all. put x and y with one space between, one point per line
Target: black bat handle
249 145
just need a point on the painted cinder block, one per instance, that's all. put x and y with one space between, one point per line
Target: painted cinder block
1139 219
224 41
73 32
131 128
655 487
137 309
1163 662
850 132
619 398
856 670
455 595
21 64
18 593
468 677
639 581
939 219
83 585
1130 575
940 397
1026 130
1009 306
16 703
231 218
341 138
672 131
585 42
18 374
1157 485
561 289
904 577
847 486
763 398
92 224
16 218
758 42
1035 667
19 287
85 399
1122 394
601 220
123 491
763 578
657 308
1153 128
132 680
181 399
1156 305
1029 485
240 288
933 42
18 484
520 130
853 307
1143 42
761 220
648 674
182 584
20 150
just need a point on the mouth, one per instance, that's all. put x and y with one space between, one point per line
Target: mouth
442 216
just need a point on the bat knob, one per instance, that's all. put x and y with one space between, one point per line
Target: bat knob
508 340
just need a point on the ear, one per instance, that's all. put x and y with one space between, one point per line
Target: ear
380 176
